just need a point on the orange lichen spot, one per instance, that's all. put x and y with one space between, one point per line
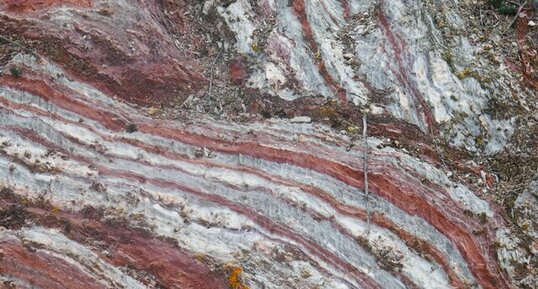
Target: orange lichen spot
255 47
55 210
200 257
234 280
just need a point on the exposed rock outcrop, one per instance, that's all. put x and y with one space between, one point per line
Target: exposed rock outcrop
217 144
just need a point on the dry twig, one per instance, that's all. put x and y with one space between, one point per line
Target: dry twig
365 152
521 6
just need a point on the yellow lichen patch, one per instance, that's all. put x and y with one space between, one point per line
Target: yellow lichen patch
464 73
234 280
448 56
470 72
479 140
352 129
25 201
317 56
55 210
255 47
200 257
328 111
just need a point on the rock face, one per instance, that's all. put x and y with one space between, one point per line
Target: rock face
266 144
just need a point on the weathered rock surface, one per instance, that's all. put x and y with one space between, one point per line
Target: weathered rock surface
217 144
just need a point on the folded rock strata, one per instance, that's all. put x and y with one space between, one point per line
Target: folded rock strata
98 193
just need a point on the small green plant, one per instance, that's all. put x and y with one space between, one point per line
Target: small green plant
15 71
502 7
507 10
496 3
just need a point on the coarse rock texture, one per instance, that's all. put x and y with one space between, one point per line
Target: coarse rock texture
217 144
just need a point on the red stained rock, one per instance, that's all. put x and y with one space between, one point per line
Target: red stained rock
529 58
143 53
34 5
133 249
299 9
173 268
138 62
238 71
42 270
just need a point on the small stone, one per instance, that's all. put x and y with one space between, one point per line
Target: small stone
483 176
131 127
301 119
374 109
153 110
207 6
203 153
531 23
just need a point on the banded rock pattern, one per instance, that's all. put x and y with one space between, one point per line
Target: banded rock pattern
280 201
97 194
